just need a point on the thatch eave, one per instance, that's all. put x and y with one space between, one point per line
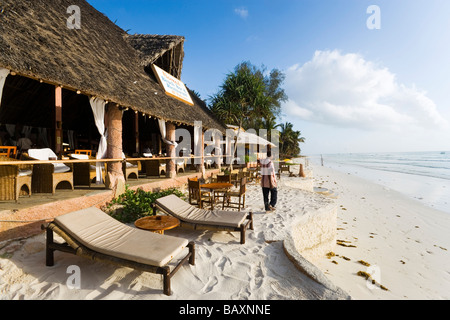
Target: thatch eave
151 46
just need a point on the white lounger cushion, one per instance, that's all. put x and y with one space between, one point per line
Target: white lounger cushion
44 155
182 210
25 173
80 156
101 233
84 157
130 165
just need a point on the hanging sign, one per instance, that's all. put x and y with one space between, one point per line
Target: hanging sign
173 87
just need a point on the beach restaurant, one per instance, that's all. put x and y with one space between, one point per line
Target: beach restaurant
93 92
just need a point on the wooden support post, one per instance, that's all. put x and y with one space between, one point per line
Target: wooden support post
58 121
136 131
115 178
171 151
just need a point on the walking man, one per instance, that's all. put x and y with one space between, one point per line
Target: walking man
269 182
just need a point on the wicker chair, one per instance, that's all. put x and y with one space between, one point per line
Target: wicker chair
46 177
83 173
155 167
130 169
208 161
14 179
180 165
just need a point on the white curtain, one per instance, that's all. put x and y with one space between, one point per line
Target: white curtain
26 130
197 141
43 137
98 109
11 128
3 74
227 149
70 134
162 128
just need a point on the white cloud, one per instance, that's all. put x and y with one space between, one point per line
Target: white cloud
345 90
242 12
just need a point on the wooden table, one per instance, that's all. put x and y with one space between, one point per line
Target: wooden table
157 224
214 187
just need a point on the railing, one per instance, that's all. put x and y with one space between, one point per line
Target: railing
31 162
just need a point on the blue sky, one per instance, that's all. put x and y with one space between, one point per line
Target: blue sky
351 89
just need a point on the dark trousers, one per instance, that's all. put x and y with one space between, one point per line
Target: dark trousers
273 197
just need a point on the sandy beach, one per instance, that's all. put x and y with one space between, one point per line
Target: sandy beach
224 270
405 243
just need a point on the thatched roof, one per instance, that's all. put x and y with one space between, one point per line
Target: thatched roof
166 51
96 59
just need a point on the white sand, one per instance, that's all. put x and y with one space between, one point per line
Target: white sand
224 268
408 242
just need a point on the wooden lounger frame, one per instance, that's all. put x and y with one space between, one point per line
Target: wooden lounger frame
199 226
74 247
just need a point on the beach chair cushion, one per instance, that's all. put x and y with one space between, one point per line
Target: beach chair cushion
25 173
128 164
46 154
84 157
182 210
79 156
101 233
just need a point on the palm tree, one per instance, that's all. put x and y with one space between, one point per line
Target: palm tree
248 95
241 96
290 140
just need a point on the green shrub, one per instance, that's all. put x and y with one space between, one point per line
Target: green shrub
138 204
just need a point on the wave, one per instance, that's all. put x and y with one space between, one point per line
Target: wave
428 164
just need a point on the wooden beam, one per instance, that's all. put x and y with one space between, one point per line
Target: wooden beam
136 131
58 121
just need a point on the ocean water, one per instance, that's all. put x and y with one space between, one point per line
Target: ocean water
424 176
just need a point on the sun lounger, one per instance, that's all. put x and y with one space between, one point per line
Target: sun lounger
197 218
93 234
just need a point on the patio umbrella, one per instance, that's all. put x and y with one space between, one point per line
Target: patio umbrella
250 138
